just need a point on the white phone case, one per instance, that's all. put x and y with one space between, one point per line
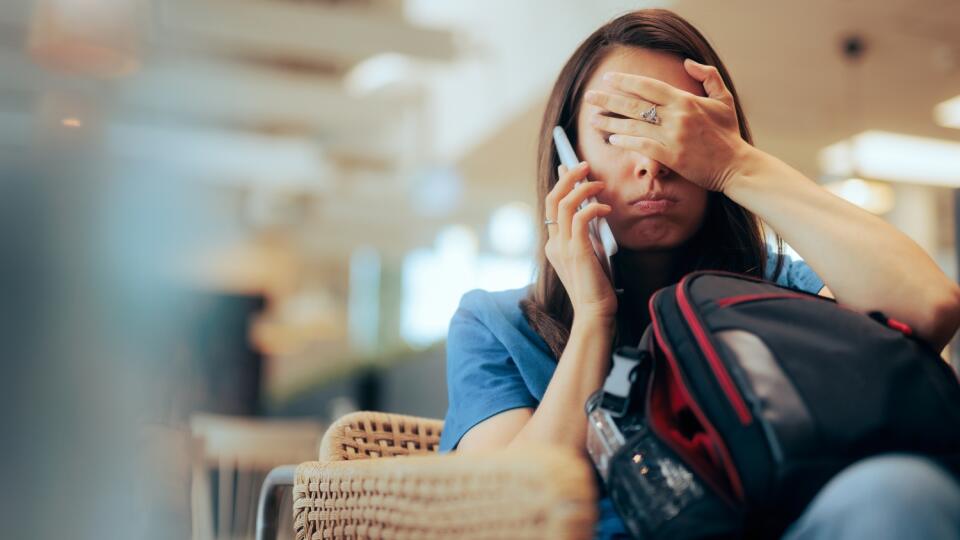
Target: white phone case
601 236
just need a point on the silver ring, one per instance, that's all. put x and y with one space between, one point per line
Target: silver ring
549 221
650 115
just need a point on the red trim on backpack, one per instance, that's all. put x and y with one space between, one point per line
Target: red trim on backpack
719 370
666 407
732 476
739 299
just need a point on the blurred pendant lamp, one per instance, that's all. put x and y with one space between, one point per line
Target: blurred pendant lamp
875 197
97 38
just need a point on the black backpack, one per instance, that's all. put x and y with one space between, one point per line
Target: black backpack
744 398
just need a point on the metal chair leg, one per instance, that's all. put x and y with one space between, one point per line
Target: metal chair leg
268 507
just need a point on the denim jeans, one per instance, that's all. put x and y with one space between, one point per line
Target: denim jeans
891 496
894 496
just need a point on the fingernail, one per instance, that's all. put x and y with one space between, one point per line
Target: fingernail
582 165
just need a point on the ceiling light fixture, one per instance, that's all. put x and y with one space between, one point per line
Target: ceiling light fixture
884 155
947 114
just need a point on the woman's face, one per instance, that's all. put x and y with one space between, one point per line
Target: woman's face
629 174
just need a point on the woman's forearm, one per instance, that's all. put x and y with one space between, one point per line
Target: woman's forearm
560 418
867 263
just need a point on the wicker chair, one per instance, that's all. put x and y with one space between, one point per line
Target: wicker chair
360 488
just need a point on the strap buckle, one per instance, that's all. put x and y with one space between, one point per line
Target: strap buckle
619 382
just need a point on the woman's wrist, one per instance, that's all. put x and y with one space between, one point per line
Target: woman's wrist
591 341
752 164
592 324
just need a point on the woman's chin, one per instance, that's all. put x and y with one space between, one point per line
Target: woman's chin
651 236
649 246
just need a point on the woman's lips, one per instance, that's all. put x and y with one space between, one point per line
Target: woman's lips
658 206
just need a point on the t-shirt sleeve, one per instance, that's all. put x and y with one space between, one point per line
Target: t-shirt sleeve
482 378
795 273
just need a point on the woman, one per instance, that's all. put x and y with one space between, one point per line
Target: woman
651 109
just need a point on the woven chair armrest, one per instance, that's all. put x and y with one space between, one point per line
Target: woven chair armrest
533 492
370 434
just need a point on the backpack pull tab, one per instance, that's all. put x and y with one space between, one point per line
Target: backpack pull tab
899 326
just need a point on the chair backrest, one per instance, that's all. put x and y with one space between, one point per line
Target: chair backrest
242 451
370 434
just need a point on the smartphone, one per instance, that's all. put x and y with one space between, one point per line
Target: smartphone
604 245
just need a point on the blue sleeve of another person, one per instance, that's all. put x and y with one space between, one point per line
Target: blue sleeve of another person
482 378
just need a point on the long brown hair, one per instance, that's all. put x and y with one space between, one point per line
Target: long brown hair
730 238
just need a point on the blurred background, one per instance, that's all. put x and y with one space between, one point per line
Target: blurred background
225 223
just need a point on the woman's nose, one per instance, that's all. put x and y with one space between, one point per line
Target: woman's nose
646 166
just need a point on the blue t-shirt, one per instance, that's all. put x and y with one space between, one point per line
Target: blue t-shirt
497 362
